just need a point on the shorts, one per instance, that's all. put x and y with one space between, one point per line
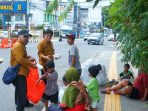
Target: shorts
134 94
94 104
53 98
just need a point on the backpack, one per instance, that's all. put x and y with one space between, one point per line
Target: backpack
10 74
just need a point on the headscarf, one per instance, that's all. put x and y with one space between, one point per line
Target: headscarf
75 93
72 75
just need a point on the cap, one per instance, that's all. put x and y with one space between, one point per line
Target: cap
24 32
72 36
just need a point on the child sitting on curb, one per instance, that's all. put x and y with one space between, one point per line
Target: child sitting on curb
125 75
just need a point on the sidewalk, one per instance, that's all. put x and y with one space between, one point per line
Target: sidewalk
112 102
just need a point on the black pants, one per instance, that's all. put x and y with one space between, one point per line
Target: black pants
20 92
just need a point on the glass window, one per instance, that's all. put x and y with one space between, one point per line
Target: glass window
18 17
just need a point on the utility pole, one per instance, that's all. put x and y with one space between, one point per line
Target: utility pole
60 37
12 19
78 20
26 16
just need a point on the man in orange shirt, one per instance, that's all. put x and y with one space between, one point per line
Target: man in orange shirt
45 48
19 56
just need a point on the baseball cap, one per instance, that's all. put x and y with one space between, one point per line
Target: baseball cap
72 36
24 32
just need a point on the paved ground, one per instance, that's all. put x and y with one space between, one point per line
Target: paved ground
88 54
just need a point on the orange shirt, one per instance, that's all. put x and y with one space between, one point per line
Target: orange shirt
45 48
19 56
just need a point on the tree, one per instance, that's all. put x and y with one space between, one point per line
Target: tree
105 14
130 18
53 5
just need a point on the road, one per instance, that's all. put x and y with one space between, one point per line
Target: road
85 50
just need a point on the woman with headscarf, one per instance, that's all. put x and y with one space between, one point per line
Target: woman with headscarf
75 96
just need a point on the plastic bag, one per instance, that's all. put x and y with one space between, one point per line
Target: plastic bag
34 90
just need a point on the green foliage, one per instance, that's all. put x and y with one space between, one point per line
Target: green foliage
66 10
130 18
105 14
40 27
95 4
53 5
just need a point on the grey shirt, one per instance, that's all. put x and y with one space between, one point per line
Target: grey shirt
73 51
52 86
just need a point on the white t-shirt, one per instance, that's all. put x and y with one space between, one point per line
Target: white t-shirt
73 51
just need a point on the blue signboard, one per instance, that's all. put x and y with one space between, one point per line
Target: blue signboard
13 7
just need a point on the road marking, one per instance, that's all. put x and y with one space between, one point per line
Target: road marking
113 67
112 101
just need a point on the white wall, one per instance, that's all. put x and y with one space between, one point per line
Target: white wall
94 15
37 14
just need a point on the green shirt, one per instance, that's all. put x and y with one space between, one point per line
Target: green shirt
93 89
126 75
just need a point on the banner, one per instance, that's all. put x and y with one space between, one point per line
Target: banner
13 7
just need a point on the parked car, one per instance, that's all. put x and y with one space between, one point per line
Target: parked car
87 35
96 38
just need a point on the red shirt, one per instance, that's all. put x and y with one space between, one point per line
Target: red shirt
140 83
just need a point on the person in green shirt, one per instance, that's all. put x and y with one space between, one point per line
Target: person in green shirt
93 85
126 74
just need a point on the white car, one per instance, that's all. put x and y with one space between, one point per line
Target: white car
96 38
86 36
